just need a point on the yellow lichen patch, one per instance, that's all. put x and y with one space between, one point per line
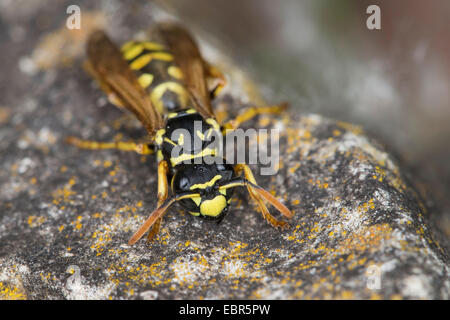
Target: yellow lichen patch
34 221
294 168
62 46
107 163
380 174
142 275
318 183
188 271
77 223
355 129
368 239
366 206
11 292
65 193
101 238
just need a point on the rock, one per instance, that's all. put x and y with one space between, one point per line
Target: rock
359 232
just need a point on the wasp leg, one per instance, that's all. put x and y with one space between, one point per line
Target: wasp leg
163 191
252 112
220 81
264 211
140 148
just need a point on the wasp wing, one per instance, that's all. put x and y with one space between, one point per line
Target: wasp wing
110 69
188 58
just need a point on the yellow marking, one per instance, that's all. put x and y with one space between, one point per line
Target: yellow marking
133 51
210 183
169 141
172 115
223 191
164 56
214 206
182 157
158 92
194 213
127 45
197 200
213 123
175 72
145 80
159 156
191 111
145 59
209 132
200 135
159 136
181 139
152 46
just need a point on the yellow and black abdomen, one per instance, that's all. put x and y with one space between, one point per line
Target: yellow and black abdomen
158 74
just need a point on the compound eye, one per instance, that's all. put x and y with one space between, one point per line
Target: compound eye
183 183
221 167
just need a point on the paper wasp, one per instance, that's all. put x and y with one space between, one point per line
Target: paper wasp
164 83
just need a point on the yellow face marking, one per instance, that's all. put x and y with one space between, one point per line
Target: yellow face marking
133 51
197 200
159 136
223 191
152 46
191 111
194 213
145 80
175 72
185 156
213 207
160 89
172 115
210 183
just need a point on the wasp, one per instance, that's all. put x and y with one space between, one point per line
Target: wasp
166 84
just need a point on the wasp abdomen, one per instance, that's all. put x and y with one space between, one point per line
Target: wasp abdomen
158 74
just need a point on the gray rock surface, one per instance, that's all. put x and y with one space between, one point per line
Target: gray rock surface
360 230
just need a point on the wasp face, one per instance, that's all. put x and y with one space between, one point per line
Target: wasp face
205 179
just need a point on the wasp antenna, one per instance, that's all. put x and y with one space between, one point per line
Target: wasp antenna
155 215
241 182
148 223
273 201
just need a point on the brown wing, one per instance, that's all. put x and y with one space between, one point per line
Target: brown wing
189 60
106 64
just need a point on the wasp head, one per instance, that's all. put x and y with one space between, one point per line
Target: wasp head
204 179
